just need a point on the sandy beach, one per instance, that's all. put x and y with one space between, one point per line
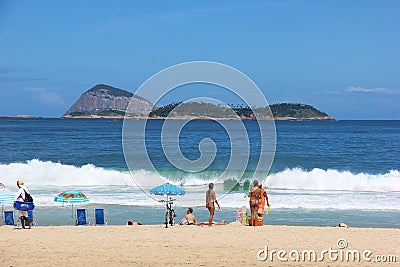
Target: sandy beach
229 245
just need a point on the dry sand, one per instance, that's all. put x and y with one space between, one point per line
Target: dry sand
229 245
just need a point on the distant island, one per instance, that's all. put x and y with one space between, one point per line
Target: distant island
107 101
20 117
202 110
104 101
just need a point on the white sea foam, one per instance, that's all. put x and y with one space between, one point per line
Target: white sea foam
35 172
46 173
333 180
289 189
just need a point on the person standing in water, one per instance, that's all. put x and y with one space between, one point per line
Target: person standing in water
22 214
211 197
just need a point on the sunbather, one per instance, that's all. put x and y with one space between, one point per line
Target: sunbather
189 218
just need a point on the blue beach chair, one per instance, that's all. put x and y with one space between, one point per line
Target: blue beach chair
100 217
9 218
81 217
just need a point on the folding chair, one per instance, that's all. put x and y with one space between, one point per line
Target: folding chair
9 218
81 217
100 217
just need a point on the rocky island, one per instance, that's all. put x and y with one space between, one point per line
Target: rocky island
104 101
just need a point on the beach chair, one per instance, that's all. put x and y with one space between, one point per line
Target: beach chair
100 217
9 218
81 217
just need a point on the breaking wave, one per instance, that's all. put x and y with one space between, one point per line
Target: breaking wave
46 173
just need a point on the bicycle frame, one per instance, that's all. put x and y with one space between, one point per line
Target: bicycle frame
169 212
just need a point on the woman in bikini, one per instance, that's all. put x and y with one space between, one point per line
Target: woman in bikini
210 199
255 196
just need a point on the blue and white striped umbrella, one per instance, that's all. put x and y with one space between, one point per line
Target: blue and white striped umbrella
6 197
167 189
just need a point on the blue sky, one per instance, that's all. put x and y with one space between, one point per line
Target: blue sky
342 57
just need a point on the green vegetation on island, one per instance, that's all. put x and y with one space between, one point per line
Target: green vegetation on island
208 110
202 110
193 109
112 91
296 110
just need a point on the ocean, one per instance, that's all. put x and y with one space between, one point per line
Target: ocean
323 172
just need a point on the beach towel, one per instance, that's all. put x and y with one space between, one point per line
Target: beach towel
213 224
186 222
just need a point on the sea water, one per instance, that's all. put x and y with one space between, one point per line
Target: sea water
323 172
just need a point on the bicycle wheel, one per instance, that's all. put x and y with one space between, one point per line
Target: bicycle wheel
172 217
166 218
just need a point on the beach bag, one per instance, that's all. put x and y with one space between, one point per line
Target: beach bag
241 215
28 197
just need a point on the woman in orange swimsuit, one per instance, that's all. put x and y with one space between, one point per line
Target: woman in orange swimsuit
255 196
261 204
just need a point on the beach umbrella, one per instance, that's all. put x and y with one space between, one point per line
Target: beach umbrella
71 197
167 189
6 198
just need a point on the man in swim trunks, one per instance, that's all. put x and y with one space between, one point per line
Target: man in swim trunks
189 218
255 196
210 199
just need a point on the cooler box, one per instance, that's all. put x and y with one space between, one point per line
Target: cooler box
260 221
24 206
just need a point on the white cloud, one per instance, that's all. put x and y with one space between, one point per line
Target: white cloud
358 89
47 97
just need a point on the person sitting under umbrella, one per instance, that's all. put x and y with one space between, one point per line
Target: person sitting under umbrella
189 218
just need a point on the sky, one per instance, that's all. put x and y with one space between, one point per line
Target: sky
342 57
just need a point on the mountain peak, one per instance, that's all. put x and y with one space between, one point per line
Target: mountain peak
106 89
103 99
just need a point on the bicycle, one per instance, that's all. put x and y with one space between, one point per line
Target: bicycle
169 213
